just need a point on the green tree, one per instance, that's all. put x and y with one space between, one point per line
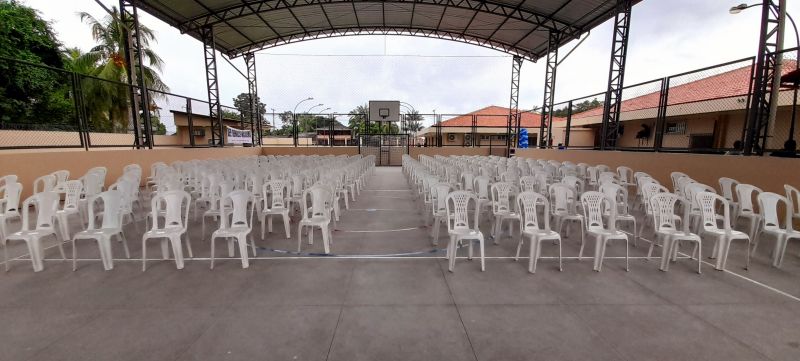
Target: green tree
578 107
413 122
242 103
31 94
109 59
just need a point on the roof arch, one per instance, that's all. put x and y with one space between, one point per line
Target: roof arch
518 27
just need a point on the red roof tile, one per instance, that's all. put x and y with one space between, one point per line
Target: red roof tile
731 83
495 116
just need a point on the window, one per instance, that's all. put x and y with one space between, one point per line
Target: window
199 132
678 127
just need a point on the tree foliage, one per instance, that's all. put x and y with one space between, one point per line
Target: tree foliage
578 107
242 103
31 94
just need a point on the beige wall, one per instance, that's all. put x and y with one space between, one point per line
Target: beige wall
415 152
28 138
31 165
769 173
309 150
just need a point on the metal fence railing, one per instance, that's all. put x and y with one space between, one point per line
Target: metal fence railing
704 110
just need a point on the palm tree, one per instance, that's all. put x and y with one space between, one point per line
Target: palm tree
108 57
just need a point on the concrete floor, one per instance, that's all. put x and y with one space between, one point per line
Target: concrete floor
294 307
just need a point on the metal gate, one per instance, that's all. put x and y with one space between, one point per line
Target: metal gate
388 149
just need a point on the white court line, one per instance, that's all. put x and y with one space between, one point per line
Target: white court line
379 231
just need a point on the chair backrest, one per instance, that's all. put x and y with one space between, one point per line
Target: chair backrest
175 208
682 183
467 181
482 186
458 211
242 203
726 188
92 184
526 204
648 191
594 206
693 188
61 176
793 196
44 183
745 193
591 174
72 190
675 176
663 210
562 199
768 203
503 194
708 208
278 190
11 192
112 209
439 192
625 175
619 194
607 177
46 205
11 178
576 183
319 196
527 183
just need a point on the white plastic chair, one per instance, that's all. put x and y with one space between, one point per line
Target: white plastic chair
727 188
745 194
722 236
239 227
529 228
216 209
768 205
9 204
44 183
275 204
620 194
176 218
92 186
563 201
594 204
793 196
439 194
675 177
459 227
663 209
61 177
46 205
625 176
72 194
317 215
503 208
111 226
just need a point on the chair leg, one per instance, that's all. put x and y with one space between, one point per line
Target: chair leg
299 236
699 257
125 244
534 255
286 225
144 254
242 240
483 259
74 255
451 259
177 250
519 247
560 263
599 247
326 239
212 251
627 256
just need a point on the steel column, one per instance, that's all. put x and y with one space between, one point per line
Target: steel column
139 101
766 62
616 75
661 118
252 91
190 121
513 104
212 86
549 89
569 124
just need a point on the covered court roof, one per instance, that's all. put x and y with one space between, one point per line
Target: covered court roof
519 27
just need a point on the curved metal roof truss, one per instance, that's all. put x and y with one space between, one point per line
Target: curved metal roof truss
518 27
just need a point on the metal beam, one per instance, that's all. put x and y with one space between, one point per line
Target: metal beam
137 90
212 86
616 75
238 10
252 91
549 90
513 104
764 77
400 31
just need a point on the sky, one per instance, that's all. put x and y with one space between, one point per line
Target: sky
666 37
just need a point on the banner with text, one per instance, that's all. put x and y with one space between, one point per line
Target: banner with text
238 136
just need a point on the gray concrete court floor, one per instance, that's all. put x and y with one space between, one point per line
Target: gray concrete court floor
286 307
